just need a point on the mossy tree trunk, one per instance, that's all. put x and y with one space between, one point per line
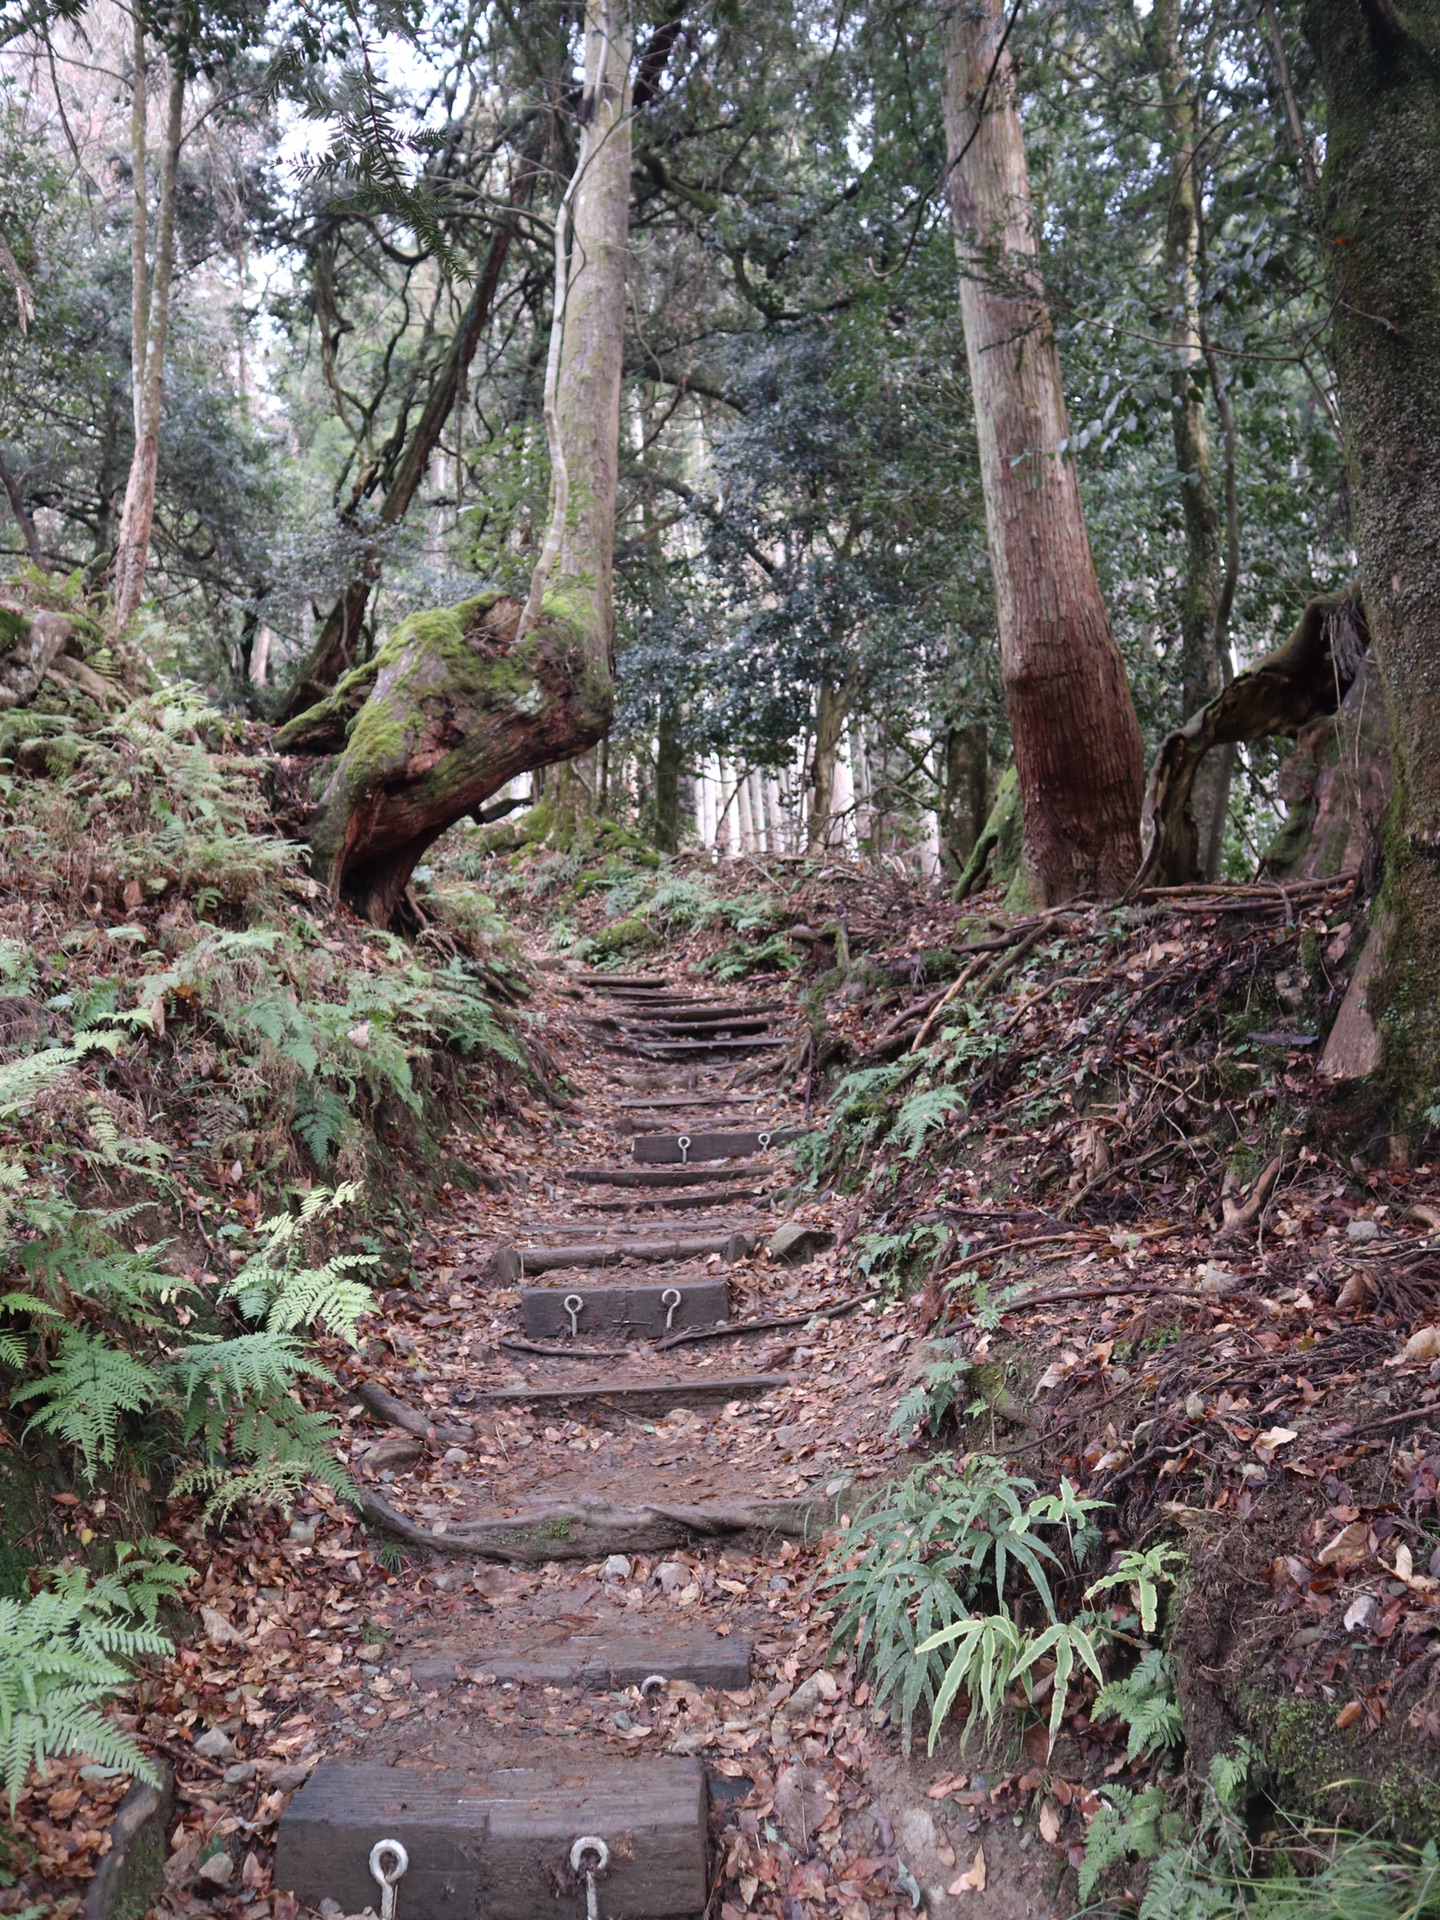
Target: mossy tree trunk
1077 741
1379 221
669 767
832 705
457 702
965 799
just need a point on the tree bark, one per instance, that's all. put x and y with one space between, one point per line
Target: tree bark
963 803
333 651
669 765
831 706
137 518
456 703
1077 741
1204 653
1379 219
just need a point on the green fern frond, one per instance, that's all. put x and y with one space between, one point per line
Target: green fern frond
922 1114
87 1391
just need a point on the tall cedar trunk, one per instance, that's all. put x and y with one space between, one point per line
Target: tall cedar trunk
457 702
1379 216
137 518
831 707
335 645
669 765
1077 741
1203 653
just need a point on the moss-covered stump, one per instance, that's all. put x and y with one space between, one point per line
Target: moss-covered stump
452 706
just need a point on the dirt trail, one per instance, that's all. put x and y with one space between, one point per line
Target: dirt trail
640 1590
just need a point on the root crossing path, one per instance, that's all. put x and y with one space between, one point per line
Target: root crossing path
608 1432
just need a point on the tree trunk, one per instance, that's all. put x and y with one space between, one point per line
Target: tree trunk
137 518
966 792
1379 216
831 707
456 703
1204 652
669 764
1077 741
333 651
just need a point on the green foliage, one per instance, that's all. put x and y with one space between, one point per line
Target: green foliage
1144 1701
895 1258
1145 1572
931 1565
63 1651
921 1114
932 1399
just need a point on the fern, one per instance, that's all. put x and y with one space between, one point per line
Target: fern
921 1114
61 1653
87 1390
1145 1702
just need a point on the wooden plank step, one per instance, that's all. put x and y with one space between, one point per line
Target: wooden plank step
696 1099
641 1396
715 1120
499 1842
703 1028
710 1010
622 980
598 1661
658 1049
701 1197
509 1264
680 1176
666 1149
652 1309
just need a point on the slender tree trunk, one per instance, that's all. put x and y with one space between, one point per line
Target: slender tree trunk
1203 654
137 518
831 707
139 221
23 521
1379 217
669 764
336 644
1077 741
965 801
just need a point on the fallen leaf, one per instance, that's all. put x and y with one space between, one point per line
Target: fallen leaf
1360 1611
1049 1823
1349 1714
974 1880
1352 1293
1274 1437
218 1630
1422 1345
1350 1546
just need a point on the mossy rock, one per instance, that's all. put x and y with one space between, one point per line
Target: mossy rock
632 935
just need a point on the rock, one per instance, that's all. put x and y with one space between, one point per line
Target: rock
819 1687
1217 1279
779 1583
217 1745
915 1835
617 1567
455 1456
1423 1345
302 1532
1195 1407
370 1652
1362 1230
218 1630
797 1242
672 1575
218 1871
288 1779
396 1452
240 1774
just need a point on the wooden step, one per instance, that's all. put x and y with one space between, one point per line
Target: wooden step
510 1264
622 980
599 1661
666 1176
654 1309
659 1049
696 1099
701 1197
701 1029
498 1843
667 1149
641 1396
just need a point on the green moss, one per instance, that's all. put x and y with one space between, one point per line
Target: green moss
1343 1777
627 936
14 625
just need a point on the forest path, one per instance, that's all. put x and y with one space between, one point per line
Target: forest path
618 1640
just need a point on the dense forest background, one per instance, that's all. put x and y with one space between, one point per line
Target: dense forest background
800 539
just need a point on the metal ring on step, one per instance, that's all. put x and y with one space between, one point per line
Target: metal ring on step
589 1843
574 1305
388 1876
683 1142
652 1683
670 1299
764 1139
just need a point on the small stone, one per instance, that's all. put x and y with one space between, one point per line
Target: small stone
240 1774
455 1456
617 1567
217 1871
218 1630
779 1583
302 1532
672 1575
217 1745
288 1779
395 1453
795 1243
1217 1279
1362 1230
446 1582
370 1652
1195 1407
